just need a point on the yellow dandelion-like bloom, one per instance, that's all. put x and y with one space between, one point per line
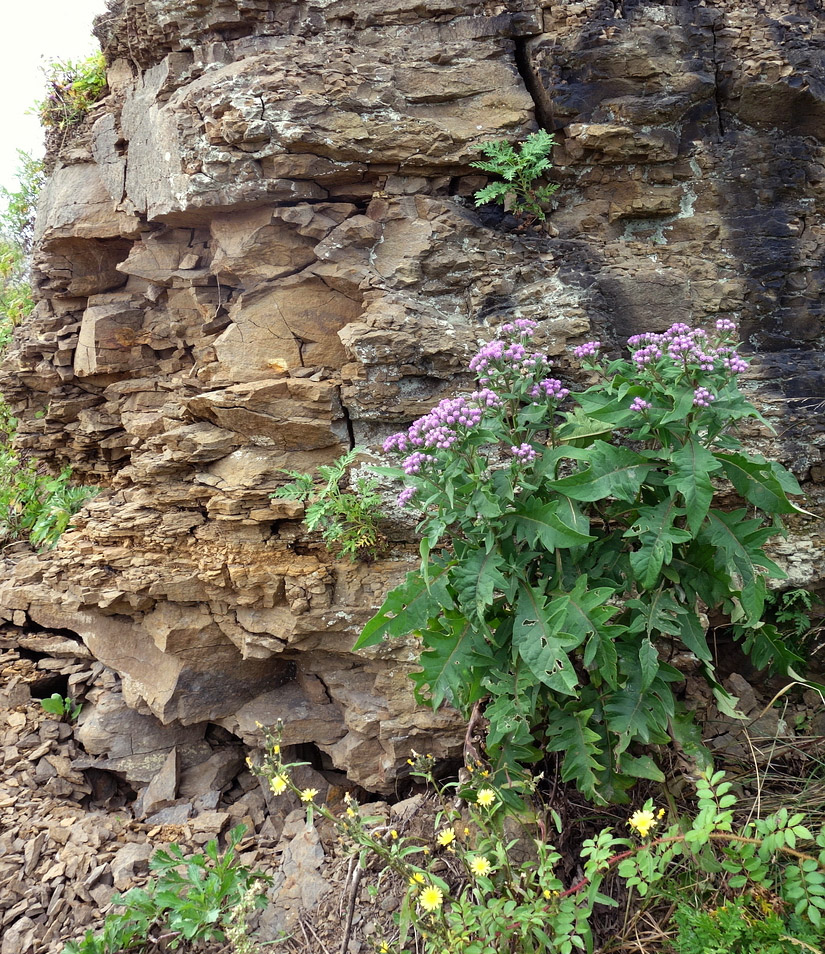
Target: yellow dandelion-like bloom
480 867
431 898
393 834
642 821
384 948
485 797
308 794
446 837
417 879
278 784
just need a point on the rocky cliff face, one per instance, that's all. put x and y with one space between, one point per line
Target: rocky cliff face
262 249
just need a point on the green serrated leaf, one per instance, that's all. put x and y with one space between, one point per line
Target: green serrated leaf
756 480
407 608
693 464
568 731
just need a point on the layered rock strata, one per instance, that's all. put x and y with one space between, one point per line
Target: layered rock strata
262 250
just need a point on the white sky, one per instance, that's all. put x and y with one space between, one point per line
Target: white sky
33 33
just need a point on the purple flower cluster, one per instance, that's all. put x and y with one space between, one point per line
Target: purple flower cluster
406 496
734 362
640 405
497 356
550 388
508 357
689 346
441 427
486 398
521 326
587 350
702 397
524 453
412 465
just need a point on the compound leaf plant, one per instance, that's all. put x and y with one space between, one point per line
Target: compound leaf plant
519 169
587 542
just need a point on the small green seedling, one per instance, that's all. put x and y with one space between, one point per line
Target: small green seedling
61 706
347 518
519 168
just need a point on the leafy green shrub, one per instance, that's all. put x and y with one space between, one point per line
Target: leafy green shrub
35 505
519 169
19 207
740 926
16 234
72 88
192 900
564 550
469 892
347 519
63 707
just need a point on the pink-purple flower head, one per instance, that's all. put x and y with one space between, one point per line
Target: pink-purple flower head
640 405
587 350
703 398
507 357
412 465
524 453
549 388
521 326
734 362
397 442
488 354
486 398
646 355
688 346
406 496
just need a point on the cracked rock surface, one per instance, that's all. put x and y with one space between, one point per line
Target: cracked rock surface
261 249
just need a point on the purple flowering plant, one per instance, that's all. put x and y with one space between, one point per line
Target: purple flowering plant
571 541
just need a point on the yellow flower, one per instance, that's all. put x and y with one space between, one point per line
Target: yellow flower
393 834
278 784
384 948
642 821
308 794
417 879
276 750
431 898
485 797
446 837
481 867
